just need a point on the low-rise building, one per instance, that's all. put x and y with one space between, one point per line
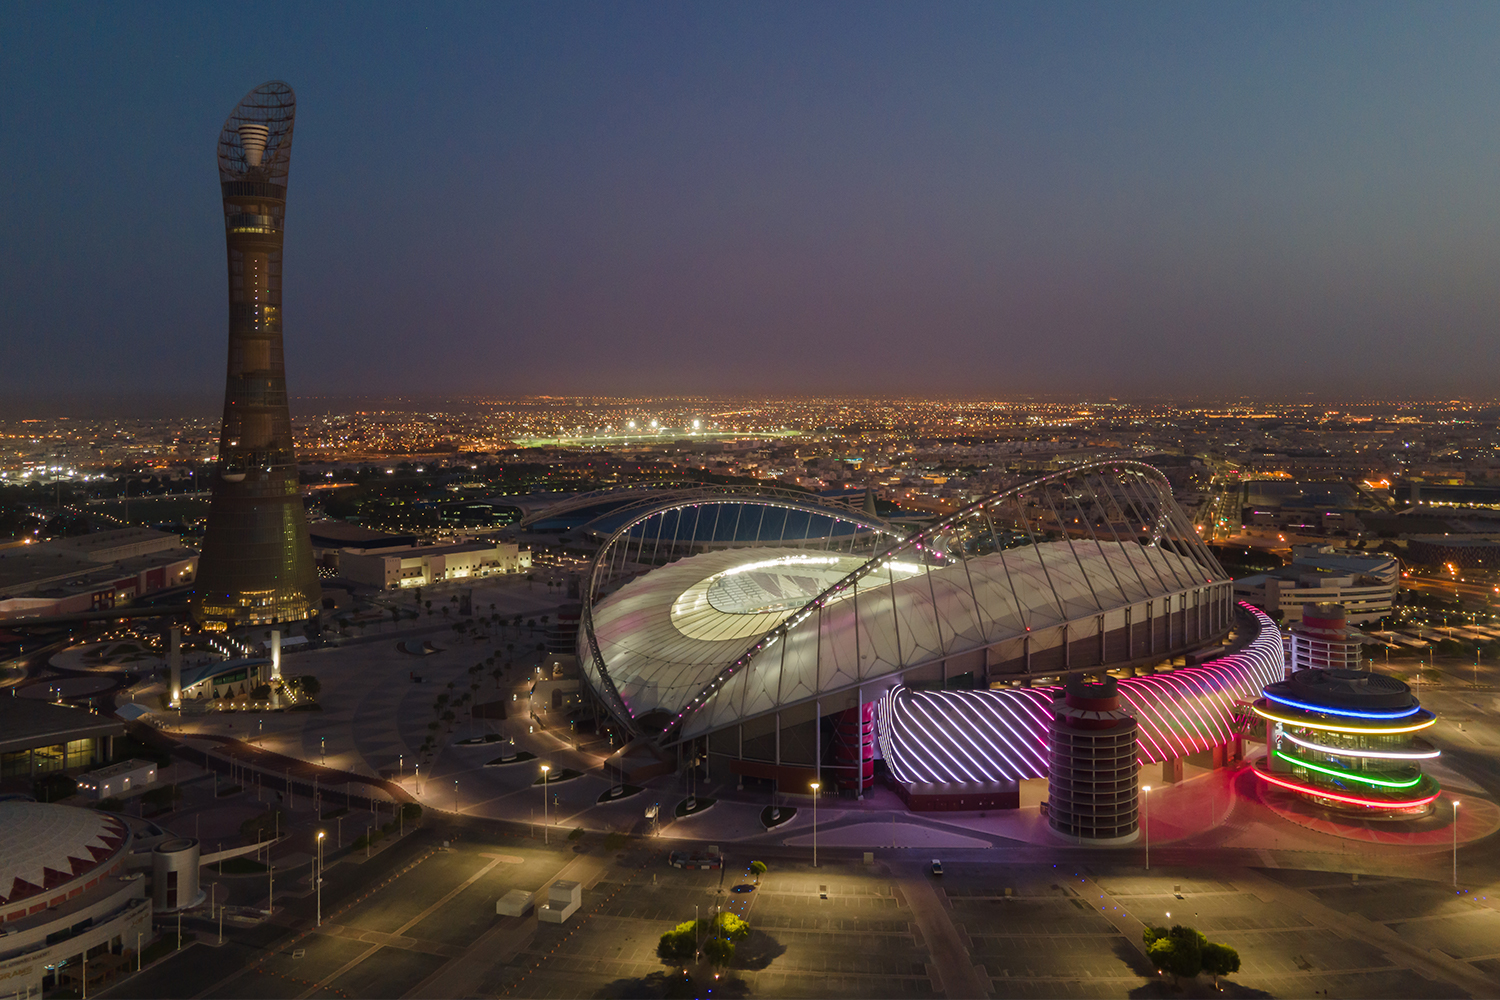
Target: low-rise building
94 572
1363 582
421 565
38 737
118 780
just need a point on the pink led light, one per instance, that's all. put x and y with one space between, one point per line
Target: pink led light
963 736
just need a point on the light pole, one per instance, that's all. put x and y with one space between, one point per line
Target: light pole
455 795
545 769
1455 843
1146 822
270 888
318 879
815 787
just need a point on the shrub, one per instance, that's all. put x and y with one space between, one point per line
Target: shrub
163 797
51 787
412 811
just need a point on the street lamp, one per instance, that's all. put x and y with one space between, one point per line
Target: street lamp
319 879
455 795
815 786
1455 843
1146 822
545 769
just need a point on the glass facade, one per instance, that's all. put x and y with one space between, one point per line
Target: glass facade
71 756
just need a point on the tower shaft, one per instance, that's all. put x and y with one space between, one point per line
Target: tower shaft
257 565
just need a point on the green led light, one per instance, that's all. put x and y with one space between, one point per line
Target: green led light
1348 774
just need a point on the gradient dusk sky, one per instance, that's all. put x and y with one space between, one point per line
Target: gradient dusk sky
978 199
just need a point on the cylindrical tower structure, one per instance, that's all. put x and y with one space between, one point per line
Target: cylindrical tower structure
1320 641
174 875
1347 740
257 564
1092 767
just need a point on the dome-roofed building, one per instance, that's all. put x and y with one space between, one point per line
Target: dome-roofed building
64 890
713 633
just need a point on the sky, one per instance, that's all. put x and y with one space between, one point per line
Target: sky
967 199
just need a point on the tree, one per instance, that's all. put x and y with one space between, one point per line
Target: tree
1220 960
497 673
310 685
730 926
679 945
759 868
1178 951
719 951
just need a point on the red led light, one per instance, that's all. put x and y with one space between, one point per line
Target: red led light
1351 799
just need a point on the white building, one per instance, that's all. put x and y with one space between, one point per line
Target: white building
422 565
1363 582
118 780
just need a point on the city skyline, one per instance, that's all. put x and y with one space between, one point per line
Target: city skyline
1241 200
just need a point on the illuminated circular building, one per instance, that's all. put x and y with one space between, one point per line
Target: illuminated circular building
787 639
1347 740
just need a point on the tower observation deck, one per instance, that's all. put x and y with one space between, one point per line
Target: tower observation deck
257 565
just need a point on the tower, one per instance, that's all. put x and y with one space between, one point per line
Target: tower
1321 640
257 565
1092 767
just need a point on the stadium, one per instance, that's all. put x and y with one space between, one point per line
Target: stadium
783 639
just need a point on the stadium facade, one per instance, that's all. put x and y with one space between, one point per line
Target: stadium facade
783 639
257 564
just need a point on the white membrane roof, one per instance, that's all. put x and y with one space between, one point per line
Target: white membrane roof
666 635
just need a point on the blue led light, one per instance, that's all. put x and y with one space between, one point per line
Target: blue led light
1326 710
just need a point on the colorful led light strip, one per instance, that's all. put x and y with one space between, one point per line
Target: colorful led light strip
1350 775
1353 800
1345 728
963 736
1351 713
1371 754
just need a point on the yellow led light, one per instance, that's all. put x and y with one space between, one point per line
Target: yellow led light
1344 727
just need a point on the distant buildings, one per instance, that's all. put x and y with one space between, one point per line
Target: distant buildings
257 562
1364 583
94 572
